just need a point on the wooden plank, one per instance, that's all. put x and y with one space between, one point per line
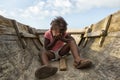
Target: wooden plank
41 31
71 31
8 33
35 31
93 34
76 31
31 30
15 25
105 28
63 64
89 29
107 23
89 35
27 35
81 39
35 41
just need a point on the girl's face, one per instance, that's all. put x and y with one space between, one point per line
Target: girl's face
56 32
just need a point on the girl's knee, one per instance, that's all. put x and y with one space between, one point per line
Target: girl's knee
48 54
51 55
71 41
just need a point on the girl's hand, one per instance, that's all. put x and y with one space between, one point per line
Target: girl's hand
67 39
58 37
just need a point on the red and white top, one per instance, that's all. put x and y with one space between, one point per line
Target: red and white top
58 44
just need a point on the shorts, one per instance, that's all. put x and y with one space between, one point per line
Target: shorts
56 53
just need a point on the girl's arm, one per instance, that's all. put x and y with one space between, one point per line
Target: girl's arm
67 38
49 45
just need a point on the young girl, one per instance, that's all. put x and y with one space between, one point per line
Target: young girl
58 43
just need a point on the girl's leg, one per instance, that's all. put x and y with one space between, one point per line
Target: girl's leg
46 70
74 49
70 46
64 50
46 56
78 62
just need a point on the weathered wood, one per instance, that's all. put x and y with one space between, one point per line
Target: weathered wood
99 34
5 37
114 34
19 64
63 64
105 28
76 31
89 35
81 39
15 25
40 40
8 33
80 31
89 29
27 35
33 31
42 32
93 34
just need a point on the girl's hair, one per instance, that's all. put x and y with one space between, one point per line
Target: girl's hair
58 22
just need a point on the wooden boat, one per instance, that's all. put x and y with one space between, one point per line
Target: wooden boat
20 45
